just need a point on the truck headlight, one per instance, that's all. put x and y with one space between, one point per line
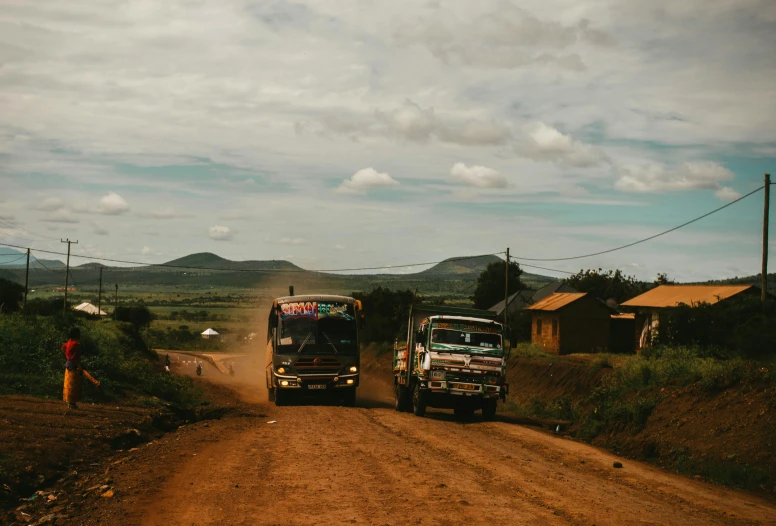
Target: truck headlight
281 370
491 380
284 383
437 375
353 369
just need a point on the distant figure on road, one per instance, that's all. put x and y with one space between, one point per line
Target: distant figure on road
167 360
73 378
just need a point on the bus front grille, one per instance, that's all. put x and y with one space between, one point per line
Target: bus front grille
313 365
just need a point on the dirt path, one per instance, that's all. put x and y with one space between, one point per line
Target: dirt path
371 465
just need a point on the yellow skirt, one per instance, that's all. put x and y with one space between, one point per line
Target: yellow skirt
72 392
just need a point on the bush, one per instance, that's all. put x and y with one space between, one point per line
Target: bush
32 361
739 326
45 306
11 294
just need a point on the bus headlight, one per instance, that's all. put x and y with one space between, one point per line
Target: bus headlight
437 375
284 383
491 380
353 369
350 381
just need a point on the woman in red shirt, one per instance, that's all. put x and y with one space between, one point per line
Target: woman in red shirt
73 377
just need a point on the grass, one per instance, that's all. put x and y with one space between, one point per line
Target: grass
628 395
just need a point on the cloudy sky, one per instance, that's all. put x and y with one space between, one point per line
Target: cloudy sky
363 133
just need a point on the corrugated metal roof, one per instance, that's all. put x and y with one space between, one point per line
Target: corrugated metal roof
557 301
673 295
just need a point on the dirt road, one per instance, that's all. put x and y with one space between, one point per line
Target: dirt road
371 465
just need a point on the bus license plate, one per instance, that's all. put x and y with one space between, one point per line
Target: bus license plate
316 386
466 387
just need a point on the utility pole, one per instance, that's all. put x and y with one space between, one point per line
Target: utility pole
116 304
764 285
67 272
27 279
506 292
99 296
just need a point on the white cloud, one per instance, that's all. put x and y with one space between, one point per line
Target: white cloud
508 37
339 247
654 178
146 251
545 143
292 241
112 204
220 233
49 204
234 215
479 176
60 216
726 193
364 180
414 123
165 213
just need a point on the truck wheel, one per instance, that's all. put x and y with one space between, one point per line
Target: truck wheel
489 409
271 394
350 397
419 400
400 399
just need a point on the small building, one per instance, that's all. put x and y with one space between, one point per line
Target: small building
564 323
208 333
527 297
88 308
649 305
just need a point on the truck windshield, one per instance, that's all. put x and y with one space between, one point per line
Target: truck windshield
448 334
317 328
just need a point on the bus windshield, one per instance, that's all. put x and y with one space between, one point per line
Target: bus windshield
445 336
317 328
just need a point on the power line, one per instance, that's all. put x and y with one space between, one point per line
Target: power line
646 238
14 260
42 264
545 268
189 267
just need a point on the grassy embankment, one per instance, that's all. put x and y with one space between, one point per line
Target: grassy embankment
677 406
32 362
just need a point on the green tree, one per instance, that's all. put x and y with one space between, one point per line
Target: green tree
386 313
11 293
611 284
490 284
138 315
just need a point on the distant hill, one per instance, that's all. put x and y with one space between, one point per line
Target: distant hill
460 267
12 259
210 260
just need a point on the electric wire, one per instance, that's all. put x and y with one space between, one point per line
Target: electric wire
646 238
14 260
385 267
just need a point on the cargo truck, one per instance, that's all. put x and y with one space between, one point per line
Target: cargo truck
454 358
